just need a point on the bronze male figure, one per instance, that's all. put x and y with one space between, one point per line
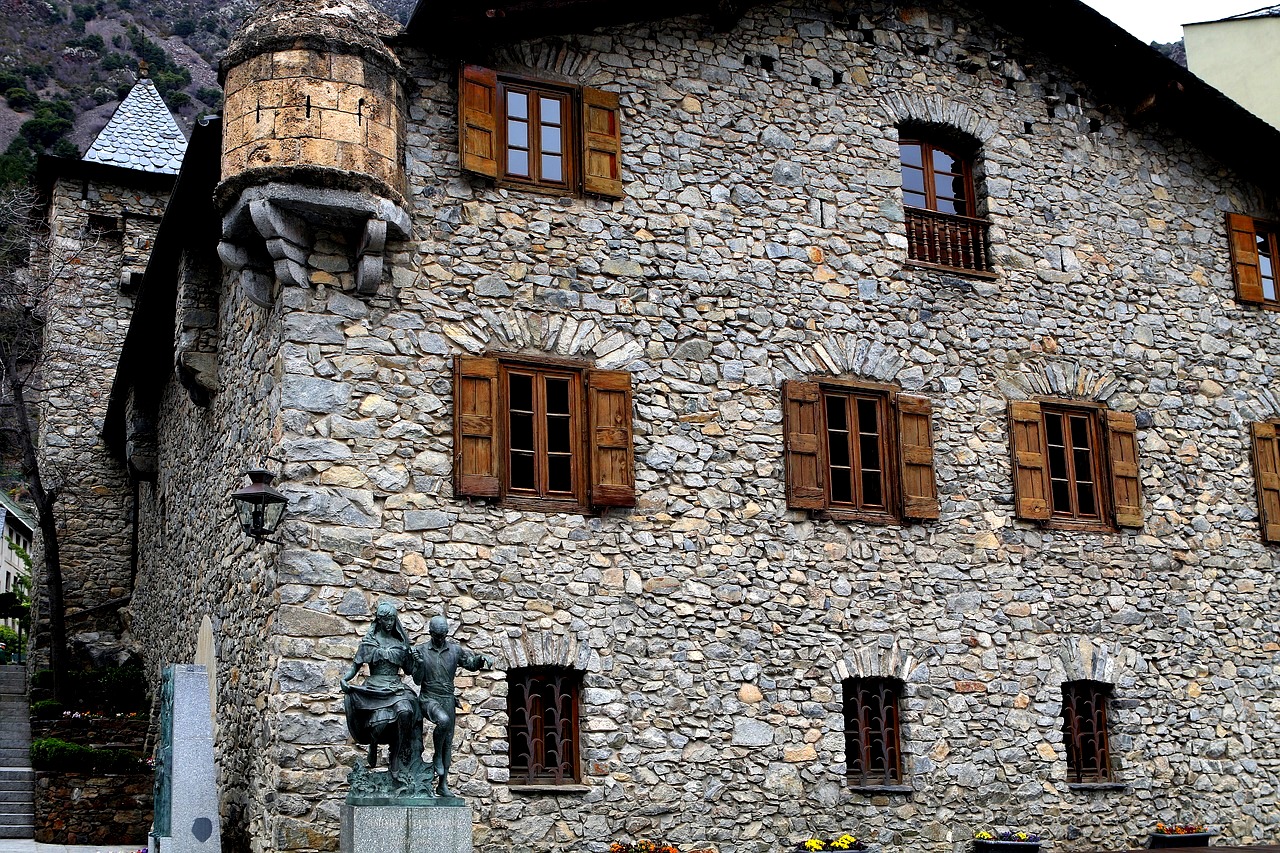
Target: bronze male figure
435 664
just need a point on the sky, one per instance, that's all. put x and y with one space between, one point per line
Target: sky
1162 20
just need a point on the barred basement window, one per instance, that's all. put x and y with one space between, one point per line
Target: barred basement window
542 709
1084 731
872 745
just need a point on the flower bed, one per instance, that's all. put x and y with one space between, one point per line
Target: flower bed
1008 841
1180 835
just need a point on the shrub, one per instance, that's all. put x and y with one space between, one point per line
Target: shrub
46 709
9 80
184 27
21 99
210 95
42 679
51 753
84 12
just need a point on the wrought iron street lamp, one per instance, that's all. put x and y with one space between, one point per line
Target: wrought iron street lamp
260 506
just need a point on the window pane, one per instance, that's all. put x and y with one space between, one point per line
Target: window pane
944 161
869 447
1085 499
1061 496
520 392
912 180
550 140
1053 428
522 471
518 163
558 440
915 200
550 110
868 418
558 396
522 431
517 134
910 154
1269 289
872 493
552 168
1079 432
559 474
836 415
517 105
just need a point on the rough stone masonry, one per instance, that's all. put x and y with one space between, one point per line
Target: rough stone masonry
761 239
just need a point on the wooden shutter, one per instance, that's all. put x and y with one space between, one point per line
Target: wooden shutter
601 143
475 433
1126 485
915 454
1030 474
612 459
478 120
1266 477
1244 257
805 444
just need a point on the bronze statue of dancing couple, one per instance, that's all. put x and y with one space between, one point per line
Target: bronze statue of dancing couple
384 710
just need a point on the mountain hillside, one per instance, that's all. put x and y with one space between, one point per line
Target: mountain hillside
65 65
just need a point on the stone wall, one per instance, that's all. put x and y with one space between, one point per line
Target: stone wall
762 239
84 808
99 230
194 560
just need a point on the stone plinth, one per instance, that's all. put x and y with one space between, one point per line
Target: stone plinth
187 819
406 829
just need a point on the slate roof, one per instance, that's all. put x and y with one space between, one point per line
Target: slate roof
141 134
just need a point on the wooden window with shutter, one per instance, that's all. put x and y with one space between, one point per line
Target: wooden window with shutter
549 435
543 136
857 451
1266 478
1075 465
1254 255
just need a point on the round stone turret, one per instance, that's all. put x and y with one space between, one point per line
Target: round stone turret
315 98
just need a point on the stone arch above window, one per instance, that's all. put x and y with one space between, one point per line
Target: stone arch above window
538 647
1058 378
923 110
1082 658
882 659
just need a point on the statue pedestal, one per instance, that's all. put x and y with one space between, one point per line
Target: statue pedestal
443 826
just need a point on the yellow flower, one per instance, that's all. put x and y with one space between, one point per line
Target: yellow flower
814 844
984 835
844 842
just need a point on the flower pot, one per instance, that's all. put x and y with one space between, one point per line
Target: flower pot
1186 839
982 845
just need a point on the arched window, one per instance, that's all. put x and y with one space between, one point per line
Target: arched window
943 229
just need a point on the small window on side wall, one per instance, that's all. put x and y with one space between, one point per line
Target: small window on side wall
1254 255
1265 445
1075 465
550 436
872 731
858 451
542 713
943 228
1084 731
544 136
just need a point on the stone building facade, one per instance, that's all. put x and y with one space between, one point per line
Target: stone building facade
102 212
746 240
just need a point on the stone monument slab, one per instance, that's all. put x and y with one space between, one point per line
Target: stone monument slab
406 829
187 817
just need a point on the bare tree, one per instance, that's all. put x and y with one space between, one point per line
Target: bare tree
31 263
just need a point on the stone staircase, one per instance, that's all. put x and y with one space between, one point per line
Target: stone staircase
17 779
